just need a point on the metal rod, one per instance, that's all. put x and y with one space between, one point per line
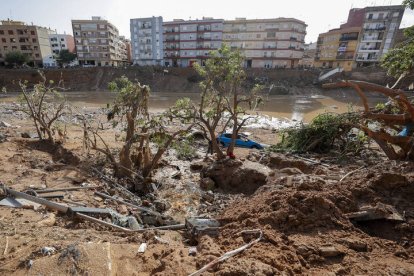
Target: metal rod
64 189
49 204
129 204
166 227
122 188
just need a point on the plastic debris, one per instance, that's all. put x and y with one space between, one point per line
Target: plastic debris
142 247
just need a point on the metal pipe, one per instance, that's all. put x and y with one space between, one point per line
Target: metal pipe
129 204
64 189
166 227
47 203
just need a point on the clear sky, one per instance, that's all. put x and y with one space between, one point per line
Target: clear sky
320 15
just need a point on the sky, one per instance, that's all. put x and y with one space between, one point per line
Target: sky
319 15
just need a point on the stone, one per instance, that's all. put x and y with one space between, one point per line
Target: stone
27 135
50 220
122 209
207 183
197 166
329 251
291 171
280 161
4 124
161 205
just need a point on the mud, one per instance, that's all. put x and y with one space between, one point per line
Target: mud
298 202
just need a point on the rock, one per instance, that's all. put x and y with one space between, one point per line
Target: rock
50 220
208 196
291 171
4 124
280 161
236 176
142 247
27 135
329 251
161 205
122 209
2 138
207 183
133 223
192 251
48 250
357 245
197 165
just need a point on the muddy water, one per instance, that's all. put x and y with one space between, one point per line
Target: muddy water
303 107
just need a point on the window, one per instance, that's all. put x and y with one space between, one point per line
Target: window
35 47
22 40
10 32
12 40
14 47
258 36
62 39
5 48
370 16
3 40
1 32
37 55
63 45
34 40
32 32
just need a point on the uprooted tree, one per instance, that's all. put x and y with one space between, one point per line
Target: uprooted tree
45 105
224 98
390 126
130 113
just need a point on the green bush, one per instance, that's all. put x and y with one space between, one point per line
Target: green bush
325 132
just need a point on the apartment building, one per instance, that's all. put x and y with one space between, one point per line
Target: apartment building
147 40
27 39
337 48
379 30
189 41
97 43
308 55
58 42
267 43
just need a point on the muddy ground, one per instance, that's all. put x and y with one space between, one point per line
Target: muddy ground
307 213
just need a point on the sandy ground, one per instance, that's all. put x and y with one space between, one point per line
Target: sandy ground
301 210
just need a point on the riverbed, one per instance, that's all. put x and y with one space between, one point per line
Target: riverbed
291 107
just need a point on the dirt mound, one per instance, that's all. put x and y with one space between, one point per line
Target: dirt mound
306 225
56 150
236 176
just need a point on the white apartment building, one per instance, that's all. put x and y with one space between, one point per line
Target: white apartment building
147 41
267 43
380 27
190 41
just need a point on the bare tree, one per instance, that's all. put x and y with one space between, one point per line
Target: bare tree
45 105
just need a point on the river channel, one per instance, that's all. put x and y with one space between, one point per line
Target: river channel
292 107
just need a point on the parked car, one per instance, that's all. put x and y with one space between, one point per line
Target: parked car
241 141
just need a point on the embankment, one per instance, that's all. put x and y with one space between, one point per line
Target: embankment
282 81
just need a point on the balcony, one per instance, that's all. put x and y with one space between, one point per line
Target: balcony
203 38
292 47
293 38
348 38
375 28
203 29
172 39
369 49
171 31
